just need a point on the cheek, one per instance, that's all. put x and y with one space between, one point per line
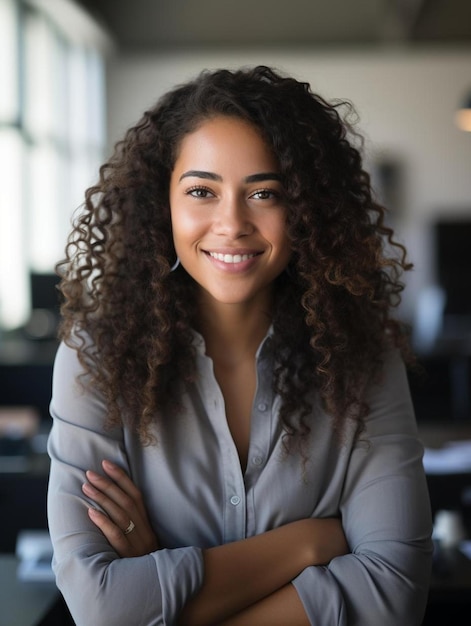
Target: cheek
186 226
281 244
275 231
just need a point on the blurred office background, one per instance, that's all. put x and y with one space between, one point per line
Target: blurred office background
74 75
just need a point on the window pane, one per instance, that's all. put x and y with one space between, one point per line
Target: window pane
86 122
45 196
87 101
41 93
78 96
96 88
9 70
14 286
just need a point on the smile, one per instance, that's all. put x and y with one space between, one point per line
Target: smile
231 258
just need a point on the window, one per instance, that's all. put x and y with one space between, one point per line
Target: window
52 137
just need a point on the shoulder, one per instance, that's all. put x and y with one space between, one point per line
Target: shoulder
73 399
389 398
67 360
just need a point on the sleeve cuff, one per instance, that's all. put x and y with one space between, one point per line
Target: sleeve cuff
180 574
321 599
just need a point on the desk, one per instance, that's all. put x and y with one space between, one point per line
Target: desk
23 603
451 578
22 501
448 490
449 600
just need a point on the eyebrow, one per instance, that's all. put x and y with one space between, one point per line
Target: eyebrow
252 178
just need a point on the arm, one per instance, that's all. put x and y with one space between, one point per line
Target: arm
386 517
241 574
280 608
128 579
237 575
92 578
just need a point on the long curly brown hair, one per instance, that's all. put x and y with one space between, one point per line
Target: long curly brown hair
131 318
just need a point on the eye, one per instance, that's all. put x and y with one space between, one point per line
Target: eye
199 192
265 194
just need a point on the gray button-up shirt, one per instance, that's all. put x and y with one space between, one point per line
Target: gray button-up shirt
197 496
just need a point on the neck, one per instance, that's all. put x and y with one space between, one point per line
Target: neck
233 331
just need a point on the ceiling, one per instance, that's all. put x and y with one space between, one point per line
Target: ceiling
150 25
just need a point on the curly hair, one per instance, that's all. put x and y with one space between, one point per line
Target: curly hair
332 316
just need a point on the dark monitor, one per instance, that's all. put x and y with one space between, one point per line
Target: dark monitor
44 293
453 263
45 307
26 384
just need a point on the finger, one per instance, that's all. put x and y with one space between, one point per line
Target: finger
111 490
114 535
117 514
121 478
118 504
126 545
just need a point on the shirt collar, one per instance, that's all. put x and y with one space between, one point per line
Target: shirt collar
200 345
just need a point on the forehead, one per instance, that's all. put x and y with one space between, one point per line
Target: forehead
224 140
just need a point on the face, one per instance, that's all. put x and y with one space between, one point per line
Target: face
227 210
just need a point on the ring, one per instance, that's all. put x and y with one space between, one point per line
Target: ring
130 528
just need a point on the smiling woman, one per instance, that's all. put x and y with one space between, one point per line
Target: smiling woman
234 441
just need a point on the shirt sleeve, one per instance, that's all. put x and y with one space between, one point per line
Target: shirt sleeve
387 520
99 586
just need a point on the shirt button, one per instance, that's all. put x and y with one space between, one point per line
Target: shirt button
235 500
257 460
262 406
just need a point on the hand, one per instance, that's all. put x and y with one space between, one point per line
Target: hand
122 502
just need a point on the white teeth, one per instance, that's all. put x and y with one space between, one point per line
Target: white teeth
231 258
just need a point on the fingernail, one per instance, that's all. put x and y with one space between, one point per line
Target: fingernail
108 465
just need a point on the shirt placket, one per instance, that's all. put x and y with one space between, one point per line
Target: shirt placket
260 433
230 472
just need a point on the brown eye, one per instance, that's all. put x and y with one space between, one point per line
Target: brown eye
265 194
199 192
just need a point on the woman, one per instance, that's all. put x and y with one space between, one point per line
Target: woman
233 439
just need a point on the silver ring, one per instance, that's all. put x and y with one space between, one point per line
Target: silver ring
130 528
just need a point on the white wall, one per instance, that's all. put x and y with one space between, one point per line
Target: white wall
406 101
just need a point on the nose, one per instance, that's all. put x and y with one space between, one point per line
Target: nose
232 218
